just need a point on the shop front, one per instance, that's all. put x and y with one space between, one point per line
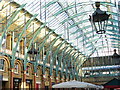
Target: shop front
4 72
4 82
17 83
29 84
38 84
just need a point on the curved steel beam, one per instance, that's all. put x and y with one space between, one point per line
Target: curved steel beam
10 21
69 61
45 39
77 64
34 36
57 66
73 59
74 16
70 7
65 10
19 26
50 3
62 56
20 37
30 44
66 57
50 48
4 6
40 47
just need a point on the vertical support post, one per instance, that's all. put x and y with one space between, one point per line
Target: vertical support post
34 80
22 46
9 42
50 82
43 81
56 80
24 80
11 78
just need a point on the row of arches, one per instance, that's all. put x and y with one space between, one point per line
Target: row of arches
17 77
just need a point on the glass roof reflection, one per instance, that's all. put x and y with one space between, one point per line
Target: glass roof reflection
71 19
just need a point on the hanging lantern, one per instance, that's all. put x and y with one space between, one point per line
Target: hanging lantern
99 19
71 67
32 53
116 58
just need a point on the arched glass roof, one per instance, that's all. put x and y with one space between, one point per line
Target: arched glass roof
71 19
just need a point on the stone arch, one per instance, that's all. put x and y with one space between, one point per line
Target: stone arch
30 70
39 76
39 70
6 64
20 67
54 76
47 76
6 70
59 77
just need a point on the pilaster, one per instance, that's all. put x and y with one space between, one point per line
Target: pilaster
11 78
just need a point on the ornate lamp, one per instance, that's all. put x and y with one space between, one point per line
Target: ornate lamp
116 57
99 19
32 53
86 73
70 67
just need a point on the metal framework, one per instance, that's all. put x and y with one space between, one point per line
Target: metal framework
59 30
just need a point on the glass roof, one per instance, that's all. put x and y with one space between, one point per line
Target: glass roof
71 19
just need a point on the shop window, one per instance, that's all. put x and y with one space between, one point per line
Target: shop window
37 73
44 55
1 64
27 70
46 87
29 84
57 59
16 83
16 68
4 42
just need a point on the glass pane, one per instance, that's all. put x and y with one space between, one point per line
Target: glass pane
1 64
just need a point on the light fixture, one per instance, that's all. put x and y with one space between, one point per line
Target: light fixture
115 55
87 73
99 19
70 67
32 53
116 58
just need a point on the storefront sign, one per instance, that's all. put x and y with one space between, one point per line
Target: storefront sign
5 78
